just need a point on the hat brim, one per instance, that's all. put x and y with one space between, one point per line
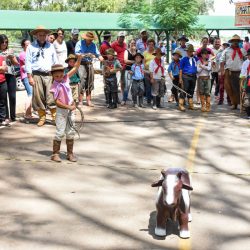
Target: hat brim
84 36
176 53
235 39
67 60
35 31
138 54
57 69
106 35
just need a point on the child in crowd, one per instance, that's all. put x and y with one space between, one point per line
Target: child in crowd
245 75
64 104
3 92
137 90
173 71
204 79
74 79
157 76
188 77
111 67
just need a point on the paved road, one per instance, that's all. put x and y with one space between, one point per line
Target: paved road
105 200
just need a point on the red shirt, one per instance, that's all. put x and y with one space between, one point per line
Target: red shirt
2 75
120 49
105 45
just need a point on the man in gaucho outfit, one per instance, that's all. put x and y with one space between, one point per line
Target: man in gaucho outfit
231 62
86 71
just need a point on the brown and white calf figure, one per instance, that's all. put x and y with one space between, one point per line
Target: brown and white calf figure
173 200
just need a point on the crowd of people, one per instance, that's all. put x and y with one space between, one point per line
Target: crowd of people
57 74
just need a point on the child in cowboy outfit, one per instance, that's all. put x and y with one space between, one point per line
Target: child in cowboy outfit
64 104
204 68
111 67
137 89
173 71
74 79
157 76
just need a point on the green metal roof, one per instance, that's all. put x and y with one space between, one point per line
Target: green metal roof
28 20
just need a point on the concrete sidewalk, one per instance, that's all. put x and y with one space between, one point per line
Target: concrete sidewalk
104 201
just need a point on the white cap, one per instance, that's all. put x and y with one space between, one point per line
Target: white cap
121 33
75 31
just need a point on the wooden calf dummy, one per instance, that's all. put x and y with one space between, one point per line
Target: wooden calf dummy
173 200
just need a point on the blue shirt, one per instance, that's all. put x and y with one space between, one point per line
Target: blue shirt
186 67
138 71
141 46
174 68
83 48
40 59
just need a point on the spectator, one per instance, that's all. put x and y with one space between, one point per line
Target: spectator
25 43
40 56
246 44
60 47
71 44
141 44
10 61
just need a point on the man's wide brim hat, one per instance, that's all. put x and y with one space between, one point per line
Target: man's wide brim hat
89 36
190 48
111 52
71 56
235 38
40 28
158 51
57 67
182 38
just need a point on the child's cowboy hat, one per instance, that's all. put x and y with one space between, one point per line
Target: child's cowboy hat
139 54
89 36
71 56
57 67
111 52
190 48
40 28
235 38
183 37
158 51
177 52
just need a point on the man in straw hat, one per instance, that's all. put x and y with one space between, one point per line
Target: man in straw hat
40 56
231 63
86 70
188 70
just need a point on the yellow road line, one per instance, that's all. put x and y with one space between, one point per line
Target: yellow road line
186 244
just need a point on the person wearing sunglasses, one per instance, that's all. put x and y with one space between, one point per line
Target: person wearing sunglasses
10 60
40 56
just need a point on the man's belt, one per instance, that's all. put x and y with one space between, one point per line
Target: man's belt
204 77
86 63
41 73
141 80
233 70
190 75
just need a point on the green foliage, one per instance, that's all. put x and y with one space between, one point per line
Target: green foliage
176 15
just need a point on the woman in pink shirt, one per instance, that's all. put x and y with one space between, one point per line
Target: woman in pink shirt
25 43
